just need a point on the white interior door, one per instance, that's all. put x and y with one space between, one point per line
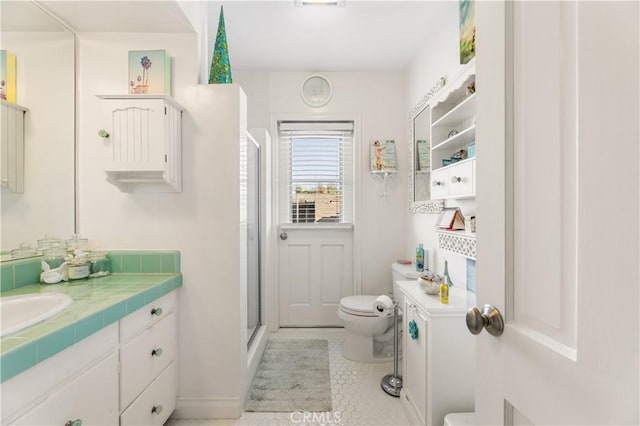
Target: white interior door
558 220
316 271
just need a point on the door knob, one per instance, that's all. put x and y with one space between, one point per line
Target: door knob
489 318
283 236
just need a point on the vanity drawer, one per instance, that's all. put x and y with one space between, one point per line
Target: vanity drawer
134 323
439 184
461 179
144 357
91 398
156 403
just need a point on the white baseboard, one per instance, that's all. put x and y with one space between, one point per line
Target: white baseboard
207 408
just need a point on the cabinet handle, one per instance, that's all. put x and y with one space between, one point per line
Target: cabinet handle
156 352
76 422
103 133
156 311
456 179
157 409
436 183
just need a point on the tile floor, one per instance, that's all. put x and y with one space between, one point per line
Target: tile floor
357 397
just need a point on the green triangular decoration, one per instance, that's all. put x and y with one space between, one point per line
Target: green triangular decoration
220 68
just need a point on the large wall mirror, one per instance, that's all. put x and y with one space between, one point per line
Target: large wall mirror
45 84
420 155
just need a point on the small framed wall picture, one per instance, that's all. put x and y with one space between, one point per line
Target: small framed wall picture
383 156
149 72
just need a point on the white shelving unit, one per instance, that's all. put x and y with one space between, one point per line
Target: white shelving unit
143 142
453 129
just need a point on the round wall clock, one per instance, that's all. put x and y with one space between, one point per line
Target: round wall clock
316 90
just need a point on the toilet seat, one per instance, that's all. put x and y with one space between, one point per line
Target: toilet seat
361 306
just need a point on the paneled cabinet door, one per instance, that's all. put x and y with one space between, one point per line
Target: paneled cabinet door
414 385
90 399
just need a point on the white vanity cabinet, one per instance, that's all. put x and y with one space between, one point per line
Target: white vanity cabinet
142 142
148 374
438 366
63 388
90 399
453 129
124 374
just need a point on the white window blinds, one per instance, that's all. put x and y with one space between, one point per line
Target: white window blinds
316 175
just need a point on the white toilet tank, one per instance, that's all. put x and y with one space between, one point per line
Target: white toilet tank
403 273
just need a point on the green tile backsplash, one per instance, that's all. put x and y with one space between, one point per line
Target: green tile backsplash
19 273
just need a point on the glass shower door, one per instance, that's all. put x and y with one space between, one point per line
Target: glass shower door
253 239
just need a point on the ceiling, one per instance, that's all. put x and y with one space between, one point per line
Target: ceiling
274 35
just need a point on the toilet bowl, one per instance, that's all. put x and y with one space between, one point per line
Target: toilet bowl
365 332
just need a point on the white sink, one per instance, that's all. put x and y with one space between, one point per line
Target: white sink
20 312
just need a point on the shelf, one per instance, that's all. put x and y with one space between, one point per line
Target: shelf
464 110
167 98
450 166
458 141
458 242
13 105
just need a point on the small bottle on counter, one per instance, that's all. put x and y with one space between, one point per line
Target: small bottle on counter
444 292
420 258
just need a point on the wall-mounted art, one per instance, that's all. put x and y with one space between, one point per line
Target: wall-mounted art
149 72
467 30
383 156
7 76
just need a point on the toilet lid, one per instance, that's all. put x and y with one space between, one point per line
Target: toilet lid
358 305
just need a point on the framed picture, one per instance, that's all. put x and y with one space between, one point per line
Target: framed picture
467 30
424 155
149 72
383 155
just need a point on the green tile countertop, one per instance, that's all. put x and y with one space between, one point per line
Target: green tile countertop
97 302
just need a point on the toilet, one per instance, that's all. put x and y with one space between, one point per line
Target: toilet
366 333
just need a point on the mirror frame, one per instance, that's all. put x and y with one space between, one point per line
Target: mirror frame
427 206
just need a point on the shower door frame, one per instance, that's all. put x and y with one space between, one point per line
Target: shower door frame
251 333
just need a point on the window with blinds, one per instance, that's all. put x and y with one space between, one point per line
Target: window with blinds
316 171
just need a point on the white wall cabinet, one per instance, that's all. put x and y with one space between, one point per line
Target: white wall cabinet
12 145
438 366
143 149
453 129
124 374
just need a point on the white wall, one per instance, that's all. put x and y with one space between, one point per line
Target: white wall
45 81
202 221
379 99
439 57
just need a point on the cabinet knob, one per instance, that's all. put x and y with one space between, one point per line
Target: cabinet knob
76 422
156 311
456 179
157 409
156 352
103 133
436 183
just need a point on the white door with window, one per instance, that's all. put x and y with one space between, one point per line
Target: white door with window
558 227
315 202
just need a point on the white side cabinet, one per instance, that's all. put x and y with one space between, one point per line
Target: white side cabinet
439 364
142 142
12 145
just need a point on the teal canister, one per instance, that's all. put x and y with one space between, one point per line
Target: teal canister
420 258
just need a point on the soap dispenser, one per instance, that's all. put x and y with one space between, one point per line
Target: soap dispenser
420 258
